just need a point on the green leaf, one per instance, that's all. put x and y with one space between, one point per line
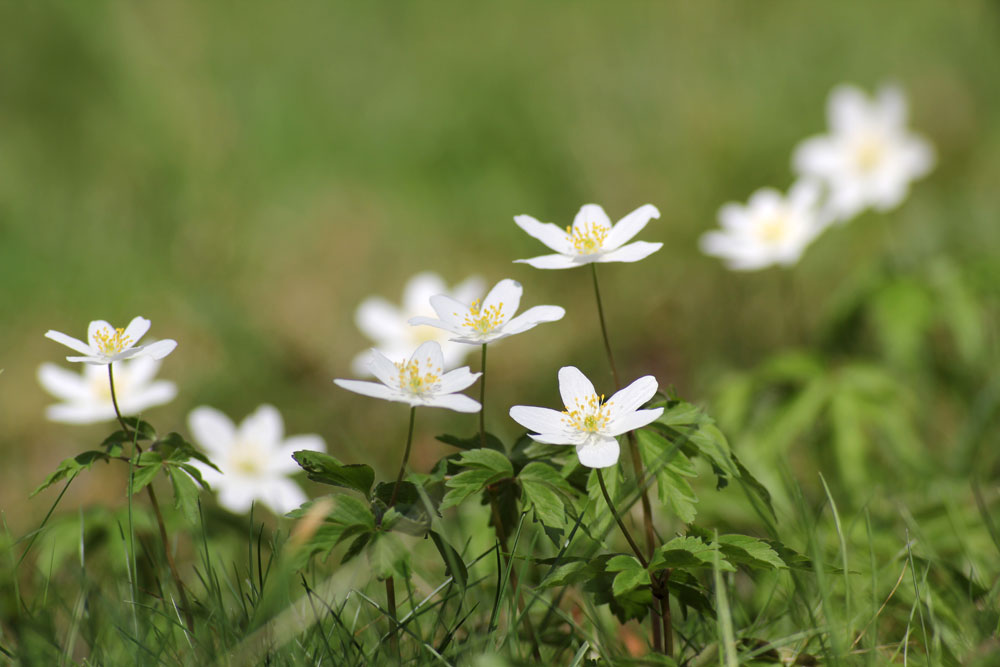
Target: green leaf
628 580
487 459
687 553
750 483
150 464
173 447
670 467
195 474
70 468
485 467
185 494
472 442
143 429
351 512
749 551
546 491
325 469
453 563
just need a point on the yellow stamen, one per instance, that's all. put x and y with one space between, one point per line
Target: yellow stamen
415 379
113 343
587 238
591 415
773 230
481 320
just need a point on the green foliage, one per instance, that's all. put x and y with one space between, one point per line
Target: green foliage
325 469
547 492
482 468
69 468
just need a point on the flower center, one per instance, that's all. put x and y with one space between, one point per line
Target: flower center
111 343
773 230
587 238
416 380
591 415
484 321
869 153
245 458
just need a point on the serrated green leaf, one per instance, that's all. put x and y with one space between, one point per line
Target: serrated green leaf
325 469
485 467
70 468
487 459
173 447
185 494
670 467
687 553
351 512
628 580
746 550
545 490
622 562
472 442
453 563
150 464
143 429
573 572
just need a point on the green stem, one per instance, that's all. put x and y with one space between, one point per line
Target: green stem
618 519
482 401
188 617
406 457
604 328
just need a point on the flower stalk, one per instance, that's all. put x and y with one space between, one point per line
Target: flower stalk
482 401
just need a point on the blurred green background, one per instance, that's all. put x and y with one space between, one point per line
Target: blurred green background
244 174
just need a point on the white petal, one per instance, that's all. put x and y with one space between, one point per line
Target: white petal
236 494
847 108
432 322
211 429
506 297
429 356
632 252
281 495
533 317
551 235
135 330
97 360
379 320
157 350
891 106
631 421
69 341
719 244
633 396
373 389
469 290
158 393
383 369
818 156
140 370
419 290
94 327
598 452
550 262
80 413
282 462
448 309
566 438
63 384
361 363
732 217
591 214
456 402
629 226
264 426
456 380
574 387
545 421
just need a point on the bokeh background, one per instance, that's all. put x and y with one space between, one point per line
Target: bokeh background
245 174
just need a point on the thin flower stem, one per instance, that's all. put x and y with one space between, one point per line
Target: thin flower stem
482 401
614 513
406 457
390 597
188 617
604 328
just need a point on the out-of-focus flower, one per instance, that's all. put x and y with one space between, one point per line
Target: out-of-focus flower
769 229
589 422
418 382
591 238
87 396
255 458
492 319
387 324
869 158
106 344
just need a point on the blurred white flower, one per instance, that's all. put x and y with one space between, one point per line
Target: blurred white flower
87 395
869 158
418 381
255 458
769 229
591 238
479 323
387 324
589 422
106 344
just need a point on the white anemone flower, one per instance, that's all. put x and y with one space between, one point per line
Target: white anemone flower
255 458
386 324
483 322
869 158
106 344
87 396
769 229
589 422
591 238
419 381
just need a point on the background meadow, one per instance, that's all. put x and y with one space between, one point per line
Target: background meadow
246 176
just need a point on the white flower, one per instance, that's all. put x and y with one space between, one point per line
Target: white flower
479 323
769 229
419 381
869 158
255 458
87 396
105 344
591 238
387 324
590 422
